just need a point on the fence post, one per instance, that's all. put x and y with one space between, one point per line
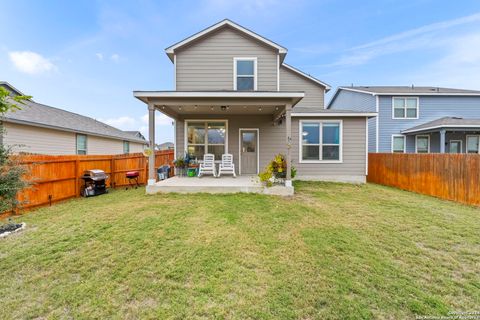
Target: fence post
77 179
112 172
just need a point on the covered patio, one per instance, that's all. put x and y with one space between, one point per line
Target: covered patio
266 115
445 135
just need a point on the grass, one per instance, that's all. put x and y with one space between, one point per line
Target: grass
334 251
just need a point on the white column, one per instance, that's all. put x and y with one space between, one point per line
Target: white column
151 136
442 140
288 129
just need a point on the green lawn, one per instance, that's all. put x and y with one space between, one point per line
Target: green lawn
334 251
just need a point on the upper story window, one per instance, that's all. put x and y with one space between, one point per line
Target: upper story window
320 141
405 108
245 74
81 144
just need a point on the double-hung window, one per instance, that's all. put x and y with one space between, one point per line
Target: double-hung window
473 144
81 144
398 144
321 141
422 144
405 108
245 74
206 137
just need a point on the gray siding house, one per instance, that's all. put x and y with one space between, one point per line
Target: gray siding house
235 94
40 129
416 119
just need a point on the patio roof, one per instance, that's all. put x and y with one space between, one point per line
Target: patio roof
445 123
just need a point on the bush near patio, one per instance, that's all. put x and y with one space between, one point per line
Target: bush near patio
333 251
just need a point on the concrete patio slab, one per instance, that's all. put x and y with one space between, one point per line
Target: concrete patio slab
207 184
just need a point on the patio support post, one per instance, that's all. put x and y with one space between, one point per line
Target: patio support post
442 141
288 129
151 137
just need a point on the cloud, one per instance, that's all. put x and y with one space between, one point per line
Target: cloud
138 124
115 57
99 56
428 36
31 62
124 123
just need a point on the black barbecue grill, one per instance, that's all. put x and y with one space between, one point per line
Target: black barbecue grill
95 182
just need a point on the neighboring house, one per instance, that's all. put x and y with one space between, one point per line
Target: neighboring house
165 146
235 94
41 129
137 134
416 119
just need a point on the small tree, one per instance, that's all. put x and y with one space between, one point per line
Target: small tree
11 172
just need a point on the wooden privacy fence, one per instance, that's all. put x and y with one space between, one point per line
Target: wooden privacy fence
57 178
448 176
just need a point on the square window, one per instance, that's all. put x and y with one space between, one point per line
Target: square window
245 68
411 113
399 113
422 144
398 144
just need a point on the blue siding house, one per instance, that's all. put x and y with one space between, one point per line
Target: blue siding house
416 119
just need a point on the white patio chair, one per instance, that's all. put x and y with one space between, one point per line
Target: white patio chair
208 165
227 166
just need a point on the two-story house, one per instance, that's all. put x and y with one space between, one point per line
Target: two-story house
416 119
235 94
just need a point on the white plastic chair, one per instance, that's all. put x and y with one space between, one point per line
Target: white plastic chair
208 165
227 166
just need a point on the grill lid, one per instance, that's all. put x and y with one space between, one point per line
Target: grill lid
95 174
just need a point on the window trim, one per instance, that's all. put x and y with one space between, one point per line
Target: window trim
405 118
255 74
320 144
422 136
466 142
76 143
185 134
455 140
404 143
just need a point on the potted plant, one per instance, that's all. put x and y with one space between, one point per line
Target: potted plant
179 164
276 171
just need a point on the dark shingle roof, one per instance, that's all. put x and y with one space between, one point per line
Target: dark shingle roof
37 114
445 122
411 90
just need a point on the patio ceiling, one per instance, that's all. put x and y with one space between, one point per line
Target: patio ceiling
176 104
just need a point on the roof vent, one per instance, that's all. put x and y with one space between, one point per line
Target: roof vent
457 118
413 86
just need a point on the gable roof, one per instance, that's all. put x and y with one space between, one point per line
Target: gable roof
226 22
306 75
40 115
11 88
445 122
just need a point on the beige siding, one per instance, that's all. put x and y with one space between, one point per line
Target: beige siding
207 64
272 142
291 81
354 152
100 145
39 140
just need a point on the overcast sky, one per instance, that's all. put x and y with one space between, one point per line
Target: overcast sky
88 56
